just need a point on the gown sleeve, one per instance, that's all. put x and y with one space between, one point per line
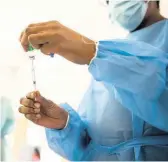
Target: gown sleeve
72 142
136 72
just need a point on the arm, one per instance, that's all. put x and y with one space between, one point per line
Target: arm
73 141
136 73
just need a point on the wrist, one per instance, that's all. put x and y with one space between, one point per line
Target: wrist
67 122
89 49
63 119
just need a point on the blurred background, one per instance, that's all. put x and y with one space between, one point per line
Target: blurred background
57 79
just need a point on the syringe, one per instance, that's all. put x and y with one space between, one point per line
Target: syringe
33 72
30 48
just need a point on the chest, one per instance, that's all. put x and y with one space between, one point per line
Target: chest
109 122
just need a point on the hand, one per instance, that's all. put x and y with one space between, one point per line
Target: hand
42 111
53 37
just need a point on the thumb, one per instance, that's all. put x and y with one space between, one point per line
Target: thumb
37 93
39 98
45 103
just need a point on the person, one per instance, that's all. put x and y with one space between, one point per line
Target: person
6 126
123 115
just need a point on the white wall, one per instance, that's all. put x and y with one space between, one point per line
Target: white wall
164 7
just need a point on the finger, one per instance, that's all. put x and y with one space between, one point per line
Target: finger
48 48
20 38
31 95
28 31
45 103
24 41
37 93
33 117
35 30
31 39
40 38
27 110
43 23
27 102
38 24
43 41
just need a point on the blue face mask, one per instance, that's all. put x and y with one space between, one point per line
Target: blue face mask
128 14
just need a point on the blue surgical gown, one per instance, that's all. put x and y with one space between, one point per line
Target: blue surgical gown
124 113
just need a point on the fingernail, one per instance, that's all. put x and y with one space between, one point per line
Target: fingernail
19 109
37 93
28 116
37 105
21 100
36 110
38 116
39 99
32 95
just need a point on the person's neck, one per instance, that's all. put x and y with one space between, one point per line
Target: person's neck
154 19
151 20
